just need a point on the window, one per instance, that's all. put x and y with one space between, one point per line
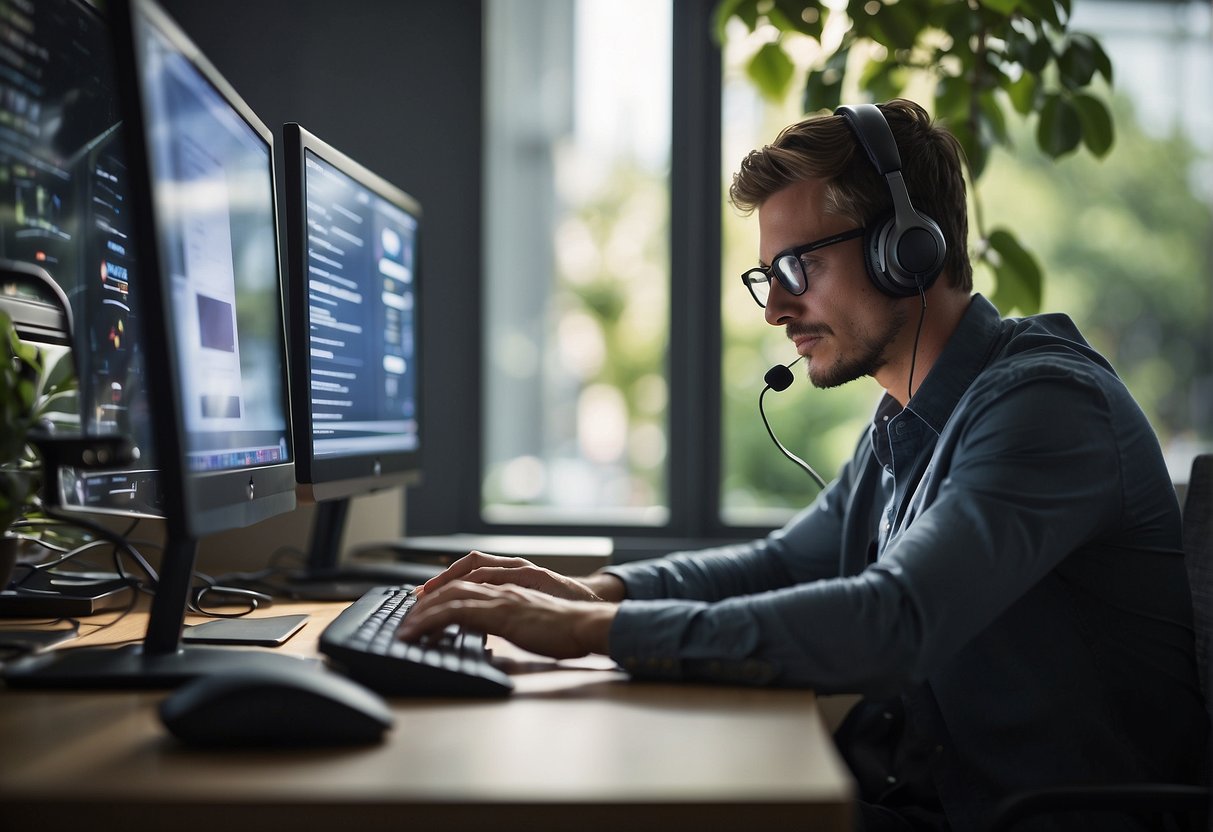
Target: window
619 348
577 263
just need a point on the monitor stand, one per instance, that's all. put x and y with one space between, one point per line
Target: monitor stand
325 578
160 661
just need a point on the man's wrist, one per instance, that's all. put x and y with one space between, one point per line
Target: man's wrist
606 586
592 629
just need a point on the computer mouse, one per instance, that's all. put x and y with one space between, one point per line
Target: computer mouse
271 709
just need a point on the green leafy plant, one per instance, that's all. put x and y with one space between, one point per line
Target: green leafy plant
985 61
37 392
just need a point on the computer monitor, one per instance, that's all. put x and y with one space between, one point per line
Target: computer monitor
355 343
352 246
202 186
64 214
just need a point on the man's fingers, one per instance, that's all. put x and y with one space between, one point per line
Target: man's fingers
471 614
460 569
446 605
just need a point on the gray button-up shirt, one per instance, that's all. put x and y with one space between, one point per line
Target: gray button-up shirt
1004 552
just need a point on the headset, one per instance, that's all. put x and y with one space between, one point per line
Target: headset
904 252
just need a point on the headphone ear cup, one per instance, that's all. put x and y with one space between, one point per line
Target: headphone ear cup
920 246
920 251
875 239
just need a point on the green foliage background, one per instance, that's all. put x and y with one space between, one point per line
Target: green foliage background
1125 244
1121 236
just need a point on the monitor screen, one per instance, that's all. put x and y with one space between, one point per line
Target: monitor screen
218 296
352 242
64 207
202 187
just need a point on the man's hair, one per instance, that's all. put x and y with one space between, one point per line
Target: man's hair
825 147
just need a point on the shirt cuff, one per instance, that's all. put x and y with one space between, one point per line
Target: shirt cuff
648 639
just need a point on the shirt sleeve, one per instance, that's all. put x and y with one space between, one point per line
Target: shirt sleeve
806 549
1027 472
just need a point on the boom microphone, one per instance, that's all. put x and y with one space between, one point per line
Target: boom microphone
779 378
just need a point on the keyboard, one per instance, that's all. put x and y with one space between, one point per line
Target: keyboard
361 643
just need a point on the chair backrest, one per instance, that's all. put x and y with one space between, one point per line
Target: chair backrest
1198 555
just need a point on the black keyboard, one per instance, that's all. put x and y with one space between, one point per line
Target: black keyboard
361 643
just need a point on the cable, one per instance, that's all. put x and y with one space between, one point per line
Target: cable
777 380
922 315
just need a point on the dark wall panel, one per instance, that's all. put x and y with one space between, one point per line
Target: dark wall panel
396 85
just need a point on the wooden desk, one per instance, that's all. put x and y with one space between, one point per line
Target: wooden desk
576 747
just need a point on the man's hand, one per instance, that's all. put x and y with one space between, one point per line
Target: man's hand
532 619
480 568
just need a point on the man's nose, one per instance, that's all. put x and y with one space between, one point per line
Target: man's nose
781 306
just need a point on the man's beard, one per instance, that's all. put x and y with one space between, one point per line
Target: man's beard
866 362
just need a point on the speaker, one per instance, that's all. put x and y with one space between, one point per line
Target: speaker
904 251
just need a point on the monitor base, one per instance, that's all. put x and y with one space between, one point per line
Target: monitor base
129 666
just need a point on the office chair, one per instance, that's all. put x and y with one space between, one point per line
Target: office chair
1176 803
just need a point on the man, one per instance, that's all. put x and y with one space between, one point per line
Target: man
997 568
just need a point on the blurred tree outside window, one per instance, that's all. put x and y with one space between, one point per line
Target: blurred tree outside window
577 283
1123 242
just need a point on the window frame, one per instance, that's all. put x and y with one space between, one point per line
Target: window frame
692 363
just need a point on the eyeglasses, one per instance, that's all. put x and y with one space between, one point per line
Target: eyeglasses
787 268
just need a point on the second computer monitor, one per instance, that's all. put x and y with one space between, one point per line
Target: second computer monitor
352 255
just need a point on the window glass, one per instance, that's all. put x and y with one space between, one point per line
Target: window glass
576 305
759 486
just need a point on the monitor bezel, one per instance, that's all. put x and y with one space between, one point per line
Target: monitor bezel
327 478
196 503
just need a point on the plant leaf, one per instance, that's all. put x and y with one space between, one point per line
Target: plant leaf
993 120
1077 62
1006 7
771 71
1098 133
793 14
1023 93
1041 10
1060 130
1103 64
1019 278
744 10
823 87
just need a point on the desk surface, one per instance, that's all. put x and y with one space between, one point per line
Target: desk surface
577 746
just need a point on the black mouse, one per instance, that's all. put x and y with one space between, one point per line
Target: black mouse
270 709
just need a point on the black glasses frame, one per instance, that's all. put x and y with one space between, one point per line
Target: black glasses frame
787 267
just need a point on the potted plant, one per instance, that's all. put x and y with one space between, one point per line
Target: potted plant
35 385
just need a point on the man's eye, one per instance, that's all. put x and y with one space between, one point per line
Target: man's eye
809 263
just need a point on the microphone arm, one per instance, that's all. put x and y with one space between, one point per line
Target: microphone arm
780 377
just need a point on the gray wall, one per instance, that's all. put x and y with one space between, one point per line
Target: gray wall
396 84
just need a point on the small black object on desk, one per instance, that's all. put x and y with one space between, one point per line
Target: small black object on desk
273 709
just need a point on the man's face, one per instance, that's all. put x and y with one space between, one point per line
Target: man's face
842 324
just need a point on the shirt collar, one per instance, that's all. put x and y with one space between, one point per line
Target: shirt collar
964 356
